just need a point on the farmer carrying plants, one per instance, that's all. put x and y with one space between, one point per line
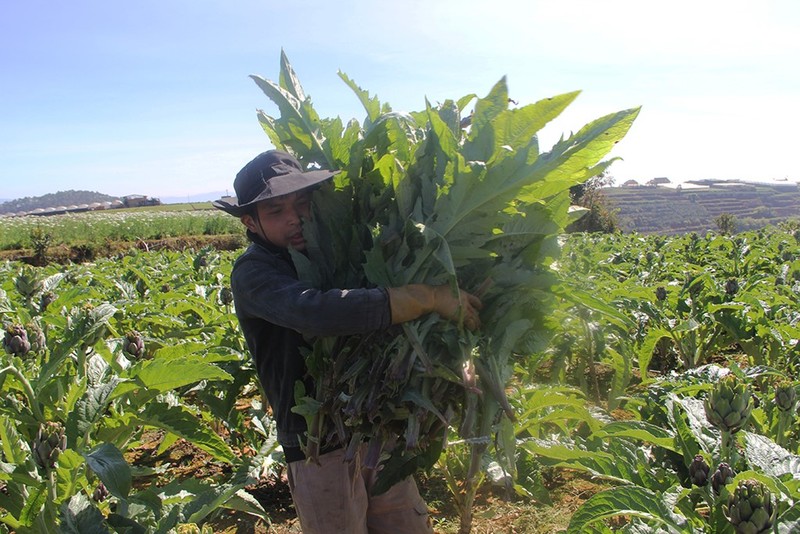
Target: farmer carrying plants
280 315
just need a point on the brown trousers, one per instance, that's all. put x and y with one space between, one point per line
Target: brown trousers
333 498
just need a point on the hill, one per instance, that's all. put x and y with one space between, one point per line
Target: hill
52 200
665 210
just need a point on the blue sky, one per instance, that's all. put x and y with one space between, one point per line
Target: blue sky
153 97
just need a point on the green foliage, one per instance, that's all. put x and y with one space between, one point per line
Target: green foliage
81 378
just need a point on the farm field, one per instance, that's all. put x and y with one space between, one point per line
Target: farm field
129 401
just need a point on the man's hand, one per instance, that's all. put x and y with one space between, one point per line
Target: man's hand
415 300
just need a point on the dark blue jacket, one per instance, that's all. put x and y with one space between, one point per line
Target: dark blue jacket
278 315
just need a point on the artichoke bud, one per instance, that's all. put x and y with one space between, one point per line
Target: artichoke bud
785 397
661 293
37 338
731 287
226 296
728 405
722 476
27 284
750 509
100 493
15 340
141 287
46 299
134 344
49 443
698 471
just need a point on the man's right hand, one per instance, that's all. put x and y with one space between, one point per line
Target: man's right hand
415 300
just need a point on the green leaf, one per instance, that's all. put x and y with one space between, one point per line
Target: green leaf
789 521
80 516
15 450
371 105
164 375
182 422
571 161
516 127
110 466
639 430
37 498
89 409
629 501
288 79
70 475
766 455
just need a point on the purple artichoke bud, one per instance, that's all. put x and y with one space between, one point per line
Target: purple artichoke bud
134 344
731 287
16 341
226 296
698 471
49 443
661 293
723 475
47 298
100 493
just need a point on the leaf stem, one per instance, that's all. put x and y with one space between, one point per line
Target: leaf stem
26 386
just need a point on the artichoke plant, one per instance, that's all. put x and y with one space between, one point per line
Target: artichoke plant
722 475
750 508
15 340
28 284
698 471
49 443
134 344
728 406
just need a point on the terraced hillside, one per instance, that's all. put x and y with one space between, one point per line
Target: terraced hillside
649 210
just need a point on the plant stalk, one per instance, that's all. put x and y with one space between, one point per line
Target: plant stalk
26 386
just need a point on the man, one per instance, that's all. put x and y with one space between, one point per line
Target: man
278 314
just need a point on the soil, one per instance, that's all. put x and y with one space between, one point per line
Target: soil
64 254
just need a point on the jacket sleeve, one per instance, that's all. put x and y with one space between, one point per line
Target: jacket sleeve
266 291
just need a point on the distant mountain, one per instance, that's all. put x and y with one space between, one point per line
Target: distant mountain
54 200
199 197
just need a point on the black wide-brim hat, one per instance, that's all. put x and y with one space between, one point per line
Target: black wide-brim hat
271 174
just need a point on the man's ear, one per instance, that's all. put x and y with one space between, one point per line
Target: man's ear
249 222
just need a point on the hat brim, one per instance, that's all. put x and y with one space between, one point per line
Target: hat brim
275 187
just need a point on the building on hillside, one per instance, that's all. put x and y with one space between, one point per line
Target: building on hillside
136 201
658 181
630 183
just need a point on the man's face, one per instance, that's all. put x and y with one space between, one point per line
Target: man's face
280 219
